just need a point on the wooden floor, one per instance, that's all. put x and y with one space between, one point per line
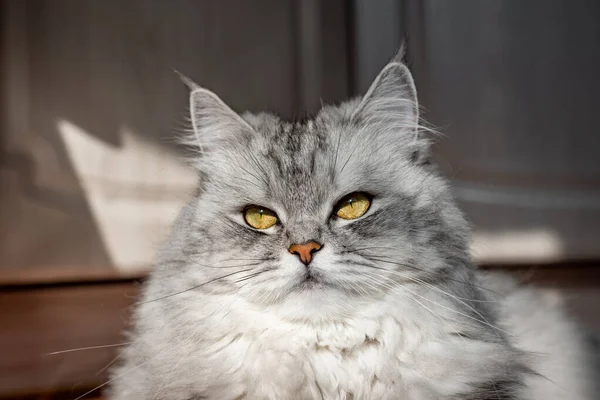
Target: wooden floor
38 321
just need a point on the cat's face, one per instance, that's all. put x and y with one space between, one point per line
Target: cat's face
336 210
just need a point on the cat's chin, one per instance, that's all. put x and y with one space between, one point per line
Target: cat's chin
314 303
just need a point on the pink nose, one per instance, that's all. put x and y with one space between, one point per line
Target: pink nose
305 251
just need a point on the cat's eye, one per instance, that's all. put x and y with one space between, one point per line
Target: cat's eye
353 205
259 217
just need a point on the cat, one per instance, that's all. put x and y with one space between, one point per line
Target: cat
326 259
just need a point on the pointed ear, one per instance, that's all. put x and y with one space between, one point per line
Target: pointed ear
215 124
391 107
391 100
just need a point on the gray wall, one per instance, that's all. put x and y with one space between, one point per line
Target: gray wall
514 86
106 65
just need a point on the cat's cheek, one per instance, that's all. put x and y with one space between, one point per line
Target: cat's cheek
325 261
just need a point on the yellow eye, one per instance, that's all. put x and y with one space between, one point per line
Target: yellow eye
353 206
260 217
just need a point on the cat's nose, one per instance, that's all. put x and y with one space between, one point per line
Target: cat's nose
305 251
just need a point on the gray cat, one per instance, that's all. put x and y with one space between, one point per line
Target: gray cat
327 259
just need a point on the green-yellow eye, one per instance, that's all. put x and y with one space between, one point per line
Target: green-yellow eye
353 206
260 217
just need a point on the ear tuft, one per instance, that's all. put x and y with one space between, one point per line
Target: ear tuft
187 81
400 54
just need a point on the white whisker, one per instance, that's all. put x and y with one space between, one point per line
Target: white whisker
115 378
88 348
395 290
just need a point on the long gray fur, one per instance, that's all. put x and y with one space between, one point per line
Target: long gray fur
401 313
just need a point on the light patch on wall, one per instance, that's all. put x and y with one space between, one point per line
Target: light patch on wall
537 245
134 191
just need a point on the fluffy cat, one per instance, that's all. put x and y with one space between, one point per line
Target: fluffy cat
326 259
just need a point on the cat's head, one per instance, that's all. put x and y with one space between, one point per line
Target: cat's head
331 212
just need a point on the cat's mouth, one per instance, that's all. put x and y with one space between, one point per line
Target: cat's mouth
311 280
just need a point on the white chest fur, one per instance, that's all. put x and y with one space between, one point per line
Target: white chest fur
406 354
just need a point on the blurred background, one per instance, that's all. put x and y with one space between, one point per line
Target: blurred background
91 175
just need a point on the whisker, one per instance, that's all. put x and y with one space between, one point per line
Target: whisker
483 321
460 299
196 287
413 267
356 250
106 346
457 298
110 363
418 302
114 378
119 356
250 276
422 282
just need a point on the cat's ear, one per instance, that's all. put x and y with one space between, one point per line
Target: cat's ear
391 106
214 123
392 97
